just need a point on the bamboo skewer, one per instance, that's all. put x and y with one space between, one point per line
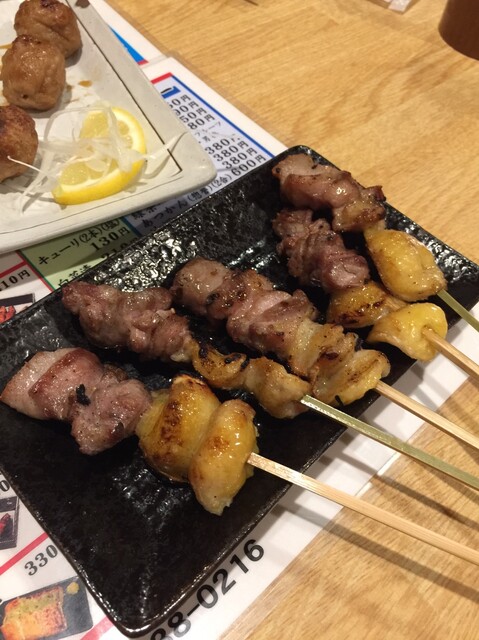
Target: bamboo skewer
458 308
453 354
391 441
366 509
426 414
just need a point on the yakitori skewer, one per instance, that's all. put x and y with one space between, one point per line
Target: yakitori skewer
316 254
184 432
269 320
417 329
179 431
387 245
399 256
145 323
306 184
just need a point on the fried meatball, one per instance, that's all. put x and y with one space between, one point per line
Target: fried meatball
18 139
50 21
33 74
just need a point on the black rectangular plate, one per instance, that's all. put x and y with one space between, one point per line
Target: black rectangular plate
141 545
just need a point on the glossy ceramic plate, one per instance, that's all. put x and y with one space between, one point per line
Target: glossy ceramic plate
142 545
103 73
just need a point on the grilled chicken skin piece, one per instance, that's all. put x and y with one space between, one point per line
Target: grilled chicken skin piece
393 321
277 391
404 329
187 434
361 306
170 432
220 466
406 267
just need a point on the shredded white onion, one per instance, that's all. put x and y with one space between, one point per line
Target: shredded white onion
98 154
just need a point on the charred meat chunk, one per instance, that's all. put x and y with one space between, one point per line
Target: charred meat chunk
316 254
307 184
47 387
141 321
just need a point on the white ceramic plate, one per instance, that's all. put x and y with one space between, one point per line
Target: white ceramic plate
105 73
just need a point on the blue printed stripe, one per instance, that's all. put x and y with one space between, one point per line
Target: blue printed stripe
133 52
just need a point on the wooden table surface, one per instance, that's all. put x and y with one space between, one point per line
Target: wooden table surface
380 94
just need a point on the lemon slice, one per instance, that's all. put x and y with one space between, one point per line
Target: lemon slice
99 176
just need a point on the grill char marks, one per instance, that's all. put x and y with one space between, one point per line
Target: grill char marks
316 254
272 321
305 184
141 321
102 405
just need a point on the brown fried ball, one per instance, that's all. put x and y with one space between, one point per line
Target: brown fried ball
33 74
18 139
50 21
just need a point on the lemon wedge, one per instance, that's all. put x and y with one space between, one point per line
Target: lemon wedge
102 174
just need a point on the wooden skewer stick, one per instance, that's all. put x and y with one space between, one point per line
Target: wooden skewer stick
426 414
453 354
391 441
459 309
366 509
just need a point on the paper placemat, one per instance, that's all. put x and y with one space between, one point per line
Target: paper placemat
29 560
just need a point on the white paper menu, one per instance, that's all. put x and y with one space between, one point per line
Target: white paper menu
29 560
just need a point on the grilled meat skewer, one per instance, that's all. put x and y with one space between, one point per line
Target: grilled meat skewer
307 184
219 459
316 255
144 323
184 432
406 267
258 315
273 321
282 394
